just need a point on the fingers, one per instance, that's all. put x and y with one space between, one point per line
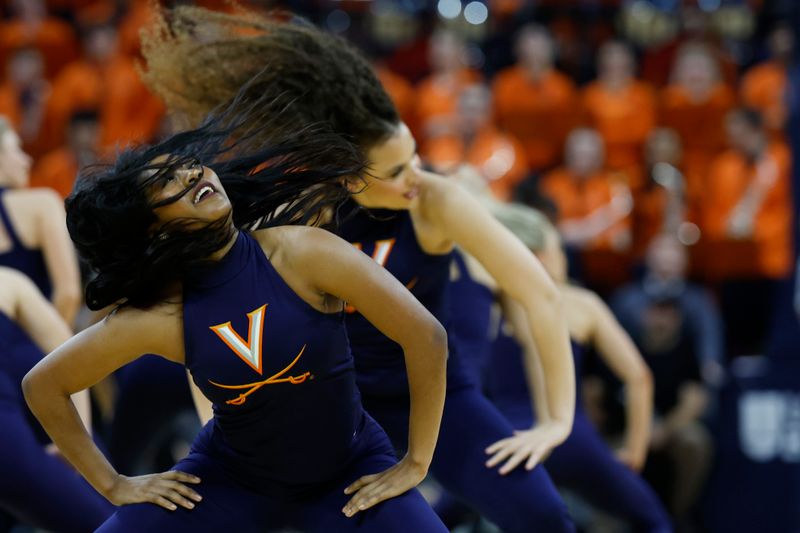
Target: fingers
361 482
169 491
534 459
501 453
499 445
374 494
184 491
514 451
180 476
175 497
379 487
363 499
517 457
163 502
170 498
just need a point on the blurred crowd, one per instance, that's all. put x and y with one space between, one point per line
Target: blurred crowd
651 133
693 148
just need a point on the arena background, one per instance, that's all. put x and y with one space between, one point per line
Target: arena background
70 87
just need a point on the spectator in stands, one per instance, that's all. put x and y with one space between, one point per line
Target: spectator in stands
474 140
664 278
594 205
695 104
59 168
677 329
23 97
105 80
748 227
31 26
436 96
695 25
620 107
763 87
660 204
533 101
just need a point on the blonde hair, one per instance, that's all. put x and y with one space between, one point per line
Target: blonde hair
528 224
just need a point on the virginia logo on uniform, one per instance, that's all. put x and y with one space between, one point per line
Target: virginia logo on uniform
250 352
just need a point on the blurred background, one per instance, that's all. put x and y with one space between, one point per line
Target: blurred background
658 135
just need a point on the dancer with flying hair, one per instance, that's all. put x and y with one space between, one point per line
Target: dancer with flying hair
256 317
408 221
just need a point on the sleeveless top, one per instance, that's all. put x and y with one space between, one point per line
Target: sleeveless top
19 257
278 372
388 237
470 318
506 380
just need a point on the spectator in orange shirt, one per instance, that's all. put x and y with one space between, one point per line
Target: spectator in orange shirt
695 104
660 205
108 81
497 157
748 199
696 25
23 96
437 95
621 108
764 85
535 103
748 228
594 207
31 26
58 169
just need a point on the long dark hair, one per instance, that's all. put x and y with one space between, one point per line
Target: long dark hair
135 261
198 59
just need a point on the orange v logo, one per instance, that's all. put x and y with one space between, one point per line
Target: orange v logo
250 351
380 255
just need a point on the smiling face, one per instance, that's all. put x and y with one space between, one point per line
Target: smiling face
393 182
205 200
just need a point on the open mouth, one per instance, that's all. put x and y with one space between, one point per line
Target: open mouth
203 190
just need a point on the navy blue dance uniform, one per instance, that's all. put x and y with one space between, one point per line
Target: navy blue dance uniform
19 257
470 318
520 501
289 432
36 488
583 462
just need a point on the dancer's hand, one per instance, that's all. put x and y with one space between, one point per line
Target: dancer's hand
372 489
166 489
532 446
